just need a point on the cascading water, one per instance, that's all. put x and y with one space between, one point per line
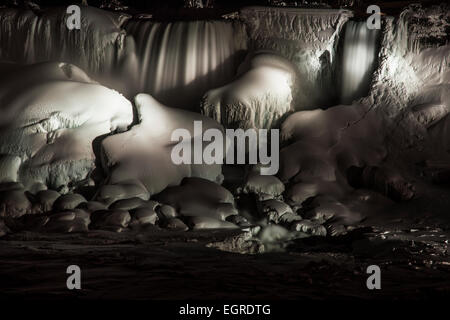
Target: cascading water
175 62
360 49
178 62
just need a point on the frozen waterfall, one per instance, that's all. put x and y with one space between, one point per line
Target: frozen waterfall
360 49
175 62
178 62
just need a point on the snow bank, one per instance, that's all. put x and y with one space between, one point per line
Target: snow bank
144 152
258 98
55 115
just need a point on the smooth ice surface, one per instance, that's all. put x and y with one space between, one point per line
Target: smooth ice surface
259 98
52 114
144 152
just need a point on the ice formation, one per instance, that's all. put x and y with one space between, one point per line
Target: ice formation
401 122
144 152
54 116
410 91
306 37
178 62
175 62
259 98
97 47
56 120
359 53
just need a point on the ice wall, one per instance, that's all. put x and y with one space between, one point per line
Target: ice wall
308 38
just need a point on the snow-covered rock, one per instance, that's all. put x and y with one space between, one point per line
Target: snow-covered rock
274 210
56 118
167 212
259 98
325 143
14 203
195 190
110 193
68 201
143 216
128 204
175 224
47 198
144 152
111 220
264 186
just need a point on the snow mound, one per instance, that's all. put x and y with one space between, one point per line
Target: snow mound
144 152
54 116
258 98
